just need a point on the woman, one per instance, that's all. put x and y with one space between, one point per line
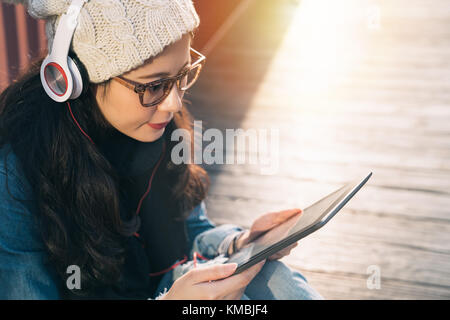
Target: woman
92 206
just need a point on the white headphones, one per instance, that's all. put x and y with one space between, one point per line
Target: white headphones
61 75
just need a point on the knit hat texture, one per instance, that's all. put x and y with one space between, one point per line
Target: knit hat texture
115 36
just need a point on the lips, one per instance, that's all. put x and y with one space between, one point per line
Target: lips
158 125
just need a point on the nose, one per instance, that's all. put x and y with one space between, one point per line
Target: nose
173 102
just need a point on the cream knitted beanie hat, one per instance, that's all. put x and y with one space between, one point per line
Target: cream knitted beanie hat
115 36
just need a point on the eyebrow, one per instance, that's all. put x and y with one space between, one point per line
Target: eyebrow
161 74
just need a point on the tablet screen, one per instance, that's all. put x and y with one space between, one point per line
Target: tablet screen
297 224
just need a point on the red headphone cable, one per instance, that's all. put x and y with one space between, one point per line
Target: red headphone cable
70 110
196 254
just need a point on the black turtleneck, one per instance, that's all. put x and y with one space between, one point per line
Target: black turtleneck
161 240
130 157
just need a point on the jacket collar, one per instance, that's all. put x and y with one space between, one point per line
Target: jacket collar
129 156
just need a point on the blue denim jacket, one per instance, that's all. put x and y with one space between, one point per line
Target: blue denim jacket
23 271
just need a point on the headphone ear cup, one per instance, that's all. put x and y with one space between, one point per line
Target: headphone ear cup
79 75
56 78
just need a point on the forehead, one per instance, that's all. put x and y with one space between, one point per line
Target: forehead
169 60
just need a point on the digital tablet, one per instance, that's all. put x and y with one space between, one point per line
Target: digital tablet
295 228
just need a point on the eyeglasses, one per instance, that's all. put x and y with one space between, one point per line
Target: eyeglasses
153 93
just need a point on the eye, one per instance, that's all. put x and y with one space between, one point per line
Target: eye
155 88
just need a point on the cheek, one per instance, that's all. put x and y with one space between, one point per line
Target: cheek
125 107
146 115
124 101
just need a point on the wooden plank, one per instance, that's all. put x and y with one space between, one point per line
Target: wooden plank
397 202
429 181
402 231
347 286
388 114
318 140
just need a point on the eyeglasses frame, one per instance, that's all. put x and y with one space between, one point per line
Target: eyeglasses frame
140 88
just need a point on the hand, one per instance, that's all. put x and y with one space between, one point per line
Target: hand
203 283
265 223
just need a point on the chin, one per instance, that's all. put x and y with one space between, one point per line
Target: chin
154 135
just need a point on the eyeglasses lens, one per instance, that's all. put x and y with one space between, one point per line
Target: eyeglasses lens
155 94
188 80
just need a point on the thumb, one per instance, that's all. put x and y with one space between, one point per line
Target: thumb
212 272
286 214
272 219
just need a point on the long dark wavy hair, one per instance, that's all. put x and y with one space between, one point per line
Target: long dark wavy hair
75 187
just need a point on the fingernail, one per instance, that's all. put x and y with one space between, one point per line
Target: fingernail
231 266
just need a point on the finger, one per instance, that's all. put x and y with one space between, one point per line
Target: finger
276 218
286 251
236 282
272 219
292 246
277 256
239 281
274 257
237 295
212 272
286 214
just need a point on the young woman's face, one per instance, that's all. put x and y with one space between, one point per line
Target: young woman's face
122 107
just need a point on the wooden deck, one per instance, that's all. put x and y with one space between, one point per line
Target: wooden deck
351 99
